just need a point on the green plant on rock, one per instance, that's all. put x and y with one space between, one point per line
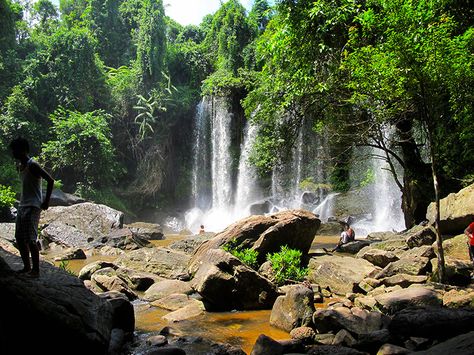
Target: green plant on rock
246 255
286 265
7 196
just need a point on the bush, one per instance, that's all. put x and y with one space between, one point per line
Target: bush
7 196
286 265
246 255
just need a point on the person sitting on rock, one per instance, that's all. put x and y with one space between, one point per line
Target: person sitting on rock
470 243
201 230
347 236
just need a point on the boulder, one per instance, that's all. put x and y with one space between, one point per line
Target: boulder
191 243
87 271
418 236
425 251
371 342
189 311
163 262
56 303
7 231
265 345
379 236
265 234
90 218
455 248
403 280
66 235
306 334
137 280
395 245
365 302
176 301
60 198
148 231
392 302
123 313
71 254
343 337
390 349
457 272
377 257
107 280
456 211
410 266
260 208
294 309
165 288
341 274
459 299
460 345
354 247
227 284
355 320
124 239
432 322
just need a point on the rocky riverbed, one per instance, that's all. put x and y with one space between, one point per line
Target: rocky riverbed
383 290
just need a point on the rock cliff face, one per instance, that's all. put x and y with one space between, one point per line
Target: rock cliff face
456 211
56 306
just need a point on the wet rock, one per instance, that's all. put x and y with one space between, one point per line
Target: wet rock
294 309
90 218
457 272
417 237
71 254
390 349
266 346
260 208
459 299
57 303
163 262
459 345
343 337
117 340
148 231
107 280
190 244
265 234
432 322
227 284
377 257
341 274
395 301
192 310
354 247
165 288
355 320
157 340
410 266
87 271
371 342
167 351
456 211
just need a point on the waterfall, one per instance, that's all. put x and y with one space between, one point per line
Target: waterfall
247 187
221 158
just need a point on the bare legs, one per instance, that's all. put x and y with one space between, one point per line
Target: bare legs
27 248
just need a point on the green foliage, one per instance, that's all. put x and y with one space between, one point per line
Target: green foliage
368 179
247 255
221 82
81 149
286 265
105 196
7 196
308 184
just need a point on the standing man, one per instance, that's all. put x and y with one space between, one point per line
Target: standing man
31 203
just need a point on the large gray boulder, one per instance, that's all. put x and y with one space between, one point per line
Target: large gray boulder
226 283
148 231
356 320
432 322
410 266
163 262
60 198
56 303
107 280
265 234
341 274
294 309
456 211
165 288
377 257
90 218
392 302
189 244
66 235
